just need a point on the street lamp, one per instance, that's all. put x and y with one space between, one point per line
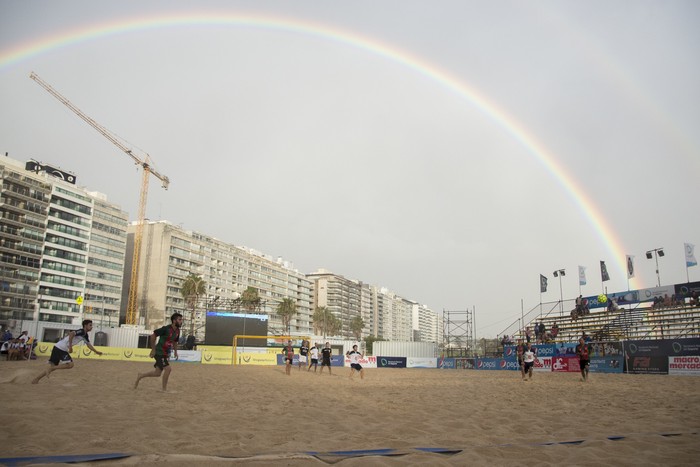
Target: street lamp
656 252
560 273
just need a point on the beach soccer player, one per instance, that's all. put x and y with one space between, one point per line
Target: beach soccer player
519 350
355 357
167 337
314 358
288 352
303 353
584 360
326 353
60 358
529 359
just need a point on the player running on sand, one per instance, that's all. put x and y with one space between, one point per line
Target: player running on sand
167 341
60 355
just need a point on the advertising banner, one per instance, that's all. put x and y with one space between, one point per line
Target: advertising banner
663 347
447 363
543 363
418 362
108 353
565 364
188 356
545 350
217 357
684 366
391 362
509 364
647 365
136 355
611 364
43 349
255 358
488 363
365 362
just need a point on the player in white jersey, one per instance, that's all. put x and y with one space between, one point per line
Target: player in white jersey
60 355
355 357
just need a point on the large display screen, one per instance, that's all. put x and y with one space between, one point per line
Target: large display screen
223 325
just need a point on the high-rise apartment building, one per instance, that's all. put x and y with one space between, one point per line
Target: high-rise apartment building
169 254
62 247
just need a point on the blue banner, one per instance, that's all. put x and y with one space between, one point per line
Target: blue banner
509 364
391 362
488 363
446 363
613 364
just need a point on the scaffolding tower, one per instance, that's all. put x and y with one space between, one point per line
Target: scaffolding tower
458 333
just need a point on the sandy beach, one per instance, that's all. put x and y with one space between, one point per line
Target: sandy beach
255 415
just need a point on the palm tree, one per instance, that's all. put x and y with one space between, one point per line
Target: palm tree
326 321
356 326
192 287
250 299
286 311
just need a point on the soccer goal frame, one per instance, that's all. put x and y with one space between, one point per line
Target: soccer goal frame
270 337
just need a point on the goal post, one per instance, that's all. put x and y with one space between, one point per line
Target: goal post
241 340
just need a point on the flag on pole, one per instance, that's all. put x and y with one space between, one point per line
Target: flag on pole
543 284
630 266
581 275
690 255
604 272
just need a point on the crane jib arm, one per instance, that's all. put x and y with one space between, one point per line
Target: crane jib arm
145 163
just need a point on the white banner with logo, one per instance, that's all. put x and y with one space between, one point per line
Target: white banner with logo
684 365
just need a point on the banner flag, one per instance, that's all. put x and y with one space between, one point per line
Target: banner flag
581 275
630 266
604 272
690 255
543 283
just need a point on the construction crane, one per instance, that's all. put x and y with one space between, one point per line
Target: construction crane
144 161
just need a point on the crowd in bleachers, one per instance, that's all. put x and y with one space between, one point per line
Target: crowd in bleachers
675 301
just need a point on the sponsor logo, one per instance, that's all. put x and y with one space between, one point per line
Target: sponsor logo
558 364
86 352
384 362
633 348
43 348
246 359
641 362
677 347
207 357
509 352
128 353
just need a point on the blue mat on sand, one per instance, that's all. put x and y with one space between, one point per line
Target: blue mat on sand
12 461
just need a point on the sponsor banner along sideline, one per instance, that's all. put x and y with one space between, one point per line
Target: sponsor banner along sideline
612 364
647 365
391 362
447 363
421 362
565 364
689 365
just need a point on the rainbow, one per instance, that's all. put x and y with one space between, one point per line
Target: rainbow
18 53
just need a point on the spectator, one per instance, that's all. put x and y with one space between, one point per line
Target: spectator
555 330
543 331
528 334
7 335
537 333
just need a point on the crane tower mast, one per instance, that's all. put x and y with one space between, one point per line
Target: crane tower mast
144 161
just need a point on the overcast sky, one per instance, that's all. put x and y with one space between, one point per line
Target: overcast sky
450 151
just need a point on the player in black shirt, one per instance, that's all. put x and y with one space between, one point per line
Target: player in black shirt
326 353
